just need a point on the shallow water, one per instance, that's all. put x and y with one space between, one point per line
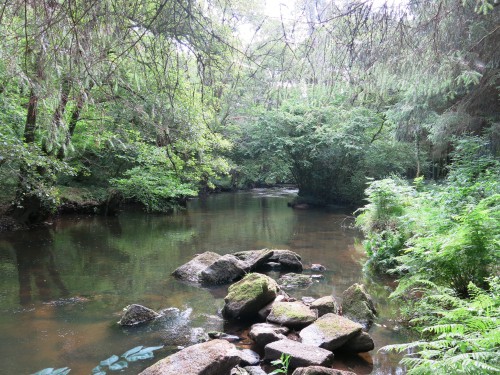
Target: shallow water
63 287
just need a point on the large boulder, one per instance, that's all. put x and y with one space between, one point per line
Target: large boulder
210 268
224 270
295 280
216 357
191 271
287 259
359 344
358 305
291 314
246 297
330 332
253 259
248 357
325 305
137 314
254 370
301 355
320 370
265 333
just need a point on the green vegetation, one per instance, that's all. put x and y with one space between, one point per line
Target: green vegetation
283 364
155 101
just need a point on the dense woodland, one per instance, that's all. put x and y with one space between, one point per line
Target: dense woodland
155 101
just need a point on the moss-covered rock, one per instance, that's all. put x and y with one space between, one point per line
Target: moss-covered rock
137 314
358 305
291 314
330 332
246 297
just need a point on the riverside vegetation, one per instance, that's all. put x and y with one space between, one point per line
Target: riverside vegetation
154 101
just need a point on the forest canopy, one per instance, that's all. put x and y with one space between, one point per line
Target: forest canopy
159 100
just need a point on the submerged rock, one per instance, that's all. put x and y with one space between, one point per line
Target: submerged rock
295 280
291 314
330 332
320 370
265 333
325 305
246 297
216 357
317 267
301 355
358 305
137 314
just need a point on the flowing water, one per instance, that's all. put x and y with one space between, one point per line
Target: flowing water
63 287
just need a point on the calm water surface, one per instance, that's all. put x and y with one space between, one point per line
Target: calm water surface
63 288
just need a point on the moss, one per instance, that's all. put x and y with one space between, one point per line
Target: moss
291 310
332 326
250 287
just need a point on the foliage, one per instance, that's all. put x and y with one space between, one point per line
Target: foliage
283 362
328 151
460 336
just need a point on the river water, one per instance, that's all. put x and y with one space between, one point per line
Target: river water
63 287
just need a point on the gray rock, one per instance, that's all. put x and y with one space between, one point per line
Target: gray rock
359 344
224 270
358 305
317 268
287 259
270 266
319 370
291 314
238 371
253 259
248 357
246 297
330 332
308 300
255 370
264 312
301 355
216 357
265 333
325 305
137 314
317 277
223 336
191 271
295 280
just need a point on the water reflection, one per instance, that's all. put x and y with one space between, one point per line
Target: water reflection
76 277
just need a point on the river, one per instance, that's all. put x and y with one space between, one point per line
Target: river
63 287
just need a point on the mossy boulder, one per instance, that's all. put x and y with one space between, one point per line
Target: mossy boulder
137 314
291 314
330 332
325 305
246 297
358 305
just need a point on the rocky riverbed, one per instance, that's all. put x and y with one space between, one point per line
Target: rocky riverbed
308 334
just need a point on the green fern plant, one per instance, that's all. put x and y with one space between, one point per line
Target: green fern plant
461 336
283 364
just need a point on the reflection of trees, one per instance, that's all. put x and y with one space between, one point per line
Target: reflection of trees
36 262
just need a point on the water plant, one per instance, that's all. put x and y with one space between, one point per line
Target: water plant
283 362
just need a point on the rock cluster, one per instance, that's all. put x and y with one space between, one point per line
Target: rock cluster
319 328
